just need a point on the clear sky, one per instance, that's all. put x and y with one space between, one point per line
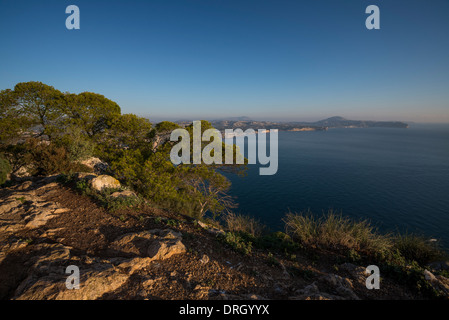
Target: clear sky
266 59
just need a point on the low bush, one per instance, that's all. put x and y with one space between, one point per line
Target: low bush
104 197
42 158
241 223
277 241
79 147
335 232
48 159
5 169
412 276
417 248
236 242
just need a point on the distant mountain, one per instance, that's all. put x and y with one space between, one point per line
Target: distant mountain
252 124
340 122
245 123
234 119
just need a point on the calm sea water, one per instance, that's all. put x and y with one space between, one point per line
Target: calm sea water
396 178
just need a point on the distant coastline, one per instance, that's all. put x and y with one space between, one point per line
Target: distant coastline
245 123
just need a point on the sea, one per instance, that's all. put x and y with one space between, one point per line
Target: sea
396 178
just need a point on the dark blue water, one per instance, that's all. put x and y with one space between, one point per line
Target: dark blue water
396 178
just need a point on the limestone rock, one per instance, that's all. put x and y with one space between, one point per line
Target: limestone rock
210 229
104 181
343 286
439 283
98 166
155 244
96 281
47 276
335 288
22 173
356 272
25 209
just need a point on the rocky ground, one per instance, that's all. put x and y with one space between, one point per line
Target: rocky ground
148 253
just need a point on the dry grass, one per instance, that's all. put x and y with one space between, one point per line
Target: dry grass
335 232
241 223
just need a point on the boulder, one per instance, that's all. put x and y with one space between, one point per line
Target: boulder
438 282
98 166
103 182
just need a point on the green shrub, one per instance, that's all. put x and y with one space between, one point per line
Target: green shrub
48 159
236 242
5 169
166 127
277 241
173 223
353 255
417 248
271 260
83 186
15 154
78 145
412 276
113 204
104 197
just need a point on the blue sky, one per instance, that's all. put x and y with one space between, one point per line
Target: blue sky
266 59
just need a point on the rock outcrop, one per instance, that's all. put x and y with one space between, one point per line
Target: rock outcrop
439 283
47 275
35 271
98 166
24 208
332 286
104 181
154 244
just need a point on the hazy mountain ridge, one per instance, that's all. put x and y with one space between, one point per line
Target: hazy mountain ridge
332 122
338 122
